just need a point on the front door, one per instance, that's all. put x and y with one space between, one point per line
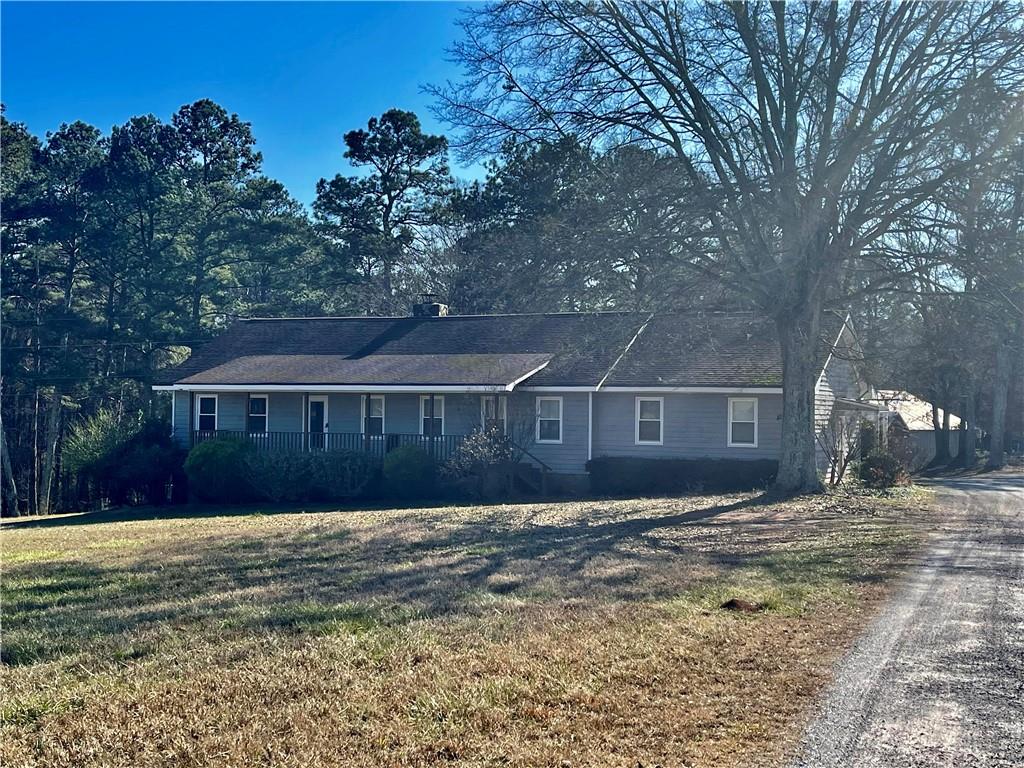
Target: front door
317 426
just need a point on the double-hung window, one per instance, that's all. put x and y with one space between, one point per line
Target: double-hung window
256 423
649 418
373 415
432 421
743 422
493 409
206 413
549 419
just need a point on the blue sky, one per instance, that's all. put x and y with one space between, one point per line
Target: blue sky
301 73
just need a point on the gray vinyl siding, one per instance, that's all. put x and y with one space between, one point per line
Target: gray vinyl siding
402 414
180 425
344 413
461 414
569 456
284 412
839 379
694 426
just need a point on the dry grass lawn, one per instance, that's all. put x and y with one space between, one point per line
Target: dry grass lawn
554 634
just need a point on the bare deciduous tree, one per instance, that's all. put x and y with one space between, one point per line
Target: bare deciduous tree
840 441
811 128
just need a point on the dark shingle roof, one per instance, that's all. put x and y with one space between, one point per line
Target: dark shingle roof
674 350
580 346
466 370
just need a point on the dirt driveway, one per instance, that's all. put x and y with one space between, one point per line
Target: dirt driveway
938 680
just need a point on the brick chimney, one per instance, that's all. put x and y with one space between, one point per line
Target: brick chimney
429 306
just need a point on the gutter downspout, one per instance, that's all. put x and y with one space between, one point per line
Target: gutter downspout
590 426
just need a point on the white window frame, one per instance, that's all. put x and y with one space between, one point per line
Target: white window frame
424 399
561 420
383 414
729 422
216 411
326 400
266 414
661 420
502 410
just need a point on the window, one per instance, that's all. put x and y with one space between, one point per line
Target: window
206 413
493 409
648 420
549 419
373 415
743 422
257 421
431 423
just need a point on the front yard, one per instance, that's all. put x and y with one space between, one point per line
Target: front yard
553 634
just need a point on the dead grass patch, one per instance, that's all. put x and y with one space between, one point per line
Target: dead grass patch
576 633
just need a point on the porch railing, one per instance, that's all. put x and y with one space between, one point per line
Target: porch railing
441 447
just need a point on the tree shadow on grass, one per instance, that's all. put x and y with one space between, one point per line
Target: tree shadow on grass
401 568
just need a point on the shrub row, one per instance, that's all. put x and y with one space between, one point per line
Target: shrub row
233 471
621 475
226 471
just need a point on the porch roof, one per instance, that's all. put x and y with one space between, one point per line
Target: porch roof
471 371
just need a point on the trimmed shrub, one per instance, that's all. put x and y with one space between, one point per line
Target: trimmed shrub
882 470
409 473
318 476
217 472
279 475
339 475
627 475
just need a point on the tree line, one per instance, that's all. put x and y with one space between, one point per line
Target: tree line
778 158
123 250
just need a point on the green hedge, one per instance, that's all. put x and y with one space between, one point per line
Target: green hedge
217 471
230 471
621 475
314 476
409 473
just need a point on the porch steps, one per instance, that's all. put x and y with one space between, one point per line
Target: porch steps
530 478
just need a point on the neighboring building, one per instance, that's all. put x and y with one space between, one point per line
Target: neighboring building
915 415
564 387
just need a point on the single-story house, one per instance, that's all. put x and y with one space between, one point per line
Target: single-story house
565 387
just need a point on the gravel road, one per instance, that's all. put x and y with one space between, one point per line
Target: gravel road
938 679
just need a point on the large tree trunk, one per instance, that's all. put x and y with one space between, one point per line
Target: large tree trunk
941 430
799 337
968 437
1000 387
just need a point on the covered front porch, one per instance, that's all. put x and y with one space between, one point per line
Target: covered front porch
374 422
